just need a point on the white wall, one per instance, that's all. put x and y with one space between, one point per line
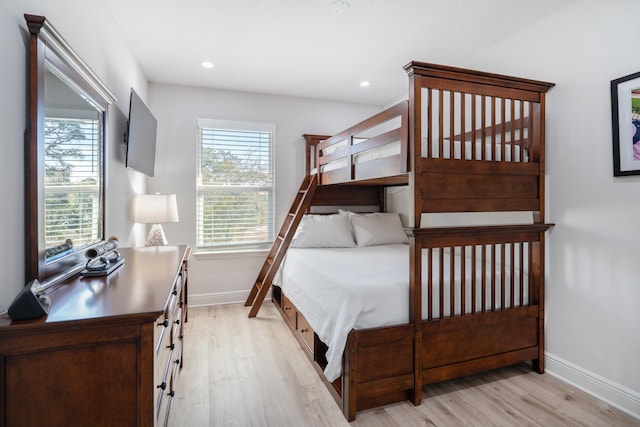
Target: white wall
593 283
592 287
222 278
88 28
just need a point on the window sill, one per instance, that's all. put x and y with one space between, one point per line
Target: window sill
238 253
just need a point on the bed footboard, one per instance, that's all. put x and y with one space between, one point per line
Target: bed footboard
483 300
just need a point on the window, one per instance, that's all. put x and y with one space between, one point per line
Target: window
235 190
72 192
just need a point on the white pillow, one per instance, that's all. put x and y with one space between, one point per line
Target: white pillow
323 231
379 228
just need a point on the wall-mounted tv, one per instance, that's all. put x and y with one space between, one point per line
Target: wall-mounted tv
141 136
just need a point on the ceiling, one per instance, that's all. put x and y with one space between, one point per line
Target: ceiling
303 48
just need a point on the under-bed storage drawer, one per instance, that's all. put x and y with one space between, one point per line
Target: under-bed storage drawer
289 311
305 331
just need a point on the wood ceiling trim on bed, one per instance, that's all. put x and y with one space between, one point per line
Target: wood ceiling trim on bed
457 75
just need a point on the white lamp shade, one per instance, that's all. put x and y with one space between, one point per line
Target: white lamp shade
156 208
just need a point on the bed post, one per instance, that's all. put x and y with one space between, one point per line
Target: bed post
415 312
311 151
537 259
537 126
349 402
537 132
415 213
415 130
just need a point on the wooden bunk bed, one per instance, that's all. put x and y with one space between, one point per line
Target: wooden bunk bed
465 141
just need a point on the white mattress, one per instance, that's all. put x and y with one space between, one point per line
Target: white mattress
340 289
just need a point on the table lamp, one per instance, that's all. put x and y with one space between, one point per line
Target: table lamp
156 209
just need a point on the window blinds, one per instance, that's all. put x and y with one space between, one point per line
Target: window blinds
235 185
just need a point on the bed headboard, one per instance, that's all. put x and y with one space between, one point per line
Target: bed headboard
477 141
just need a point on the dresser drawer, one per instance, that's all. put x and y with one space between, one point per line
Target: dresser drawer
162 334
163 380
163 407
173 301
168 329
305 331
176 324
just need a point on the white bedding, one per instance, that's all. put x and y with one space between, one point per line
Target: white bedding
340 289
340 298
393 149
381 152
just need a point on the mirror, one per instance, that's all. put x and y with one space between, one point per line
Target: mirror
65 170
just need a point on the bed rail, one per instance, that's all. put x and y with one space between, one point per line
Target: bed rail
374 151
479 269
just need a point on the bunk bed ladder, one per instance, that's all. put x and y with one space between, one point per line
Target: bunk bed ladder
299 207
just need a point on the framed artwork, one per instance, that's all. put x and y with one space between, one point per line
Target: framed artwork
625 122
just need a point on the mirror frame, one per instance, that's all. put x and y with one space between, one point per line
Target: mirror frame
46 44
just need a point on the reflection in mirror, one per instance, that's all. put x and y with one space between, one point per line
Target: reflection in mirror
72 167
64 157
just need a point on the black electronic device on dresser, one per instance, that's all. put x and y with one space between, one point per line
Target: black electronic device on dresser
30 303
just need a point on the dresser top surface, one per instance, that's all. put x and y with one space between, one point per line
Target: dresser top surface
139 288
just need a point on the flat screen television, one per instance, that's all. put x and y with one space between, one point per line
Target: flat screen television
141 136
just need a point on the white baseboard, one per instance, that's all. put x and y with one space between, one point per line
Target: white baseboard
614 394
219 298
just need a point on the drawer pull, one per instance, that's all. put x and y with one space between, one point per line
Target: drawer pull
171 393
165 323
287 308
177 322
171 346
177 361
163 385
302 331
175 292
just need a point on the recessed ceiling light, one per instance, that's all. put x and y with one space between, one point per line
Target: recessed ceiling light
339 6
364 83
206 64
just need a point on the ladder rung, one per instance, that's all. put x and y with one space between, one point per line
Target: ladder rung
270 261
258 285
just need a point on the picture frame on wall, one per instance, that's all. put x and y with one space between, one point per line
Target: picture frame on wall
625 123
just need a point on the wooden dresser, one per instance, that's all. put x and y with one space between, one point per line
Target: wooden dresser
109 351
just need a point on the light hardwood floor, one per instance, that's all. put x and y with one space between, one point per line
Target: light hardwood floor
252 372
